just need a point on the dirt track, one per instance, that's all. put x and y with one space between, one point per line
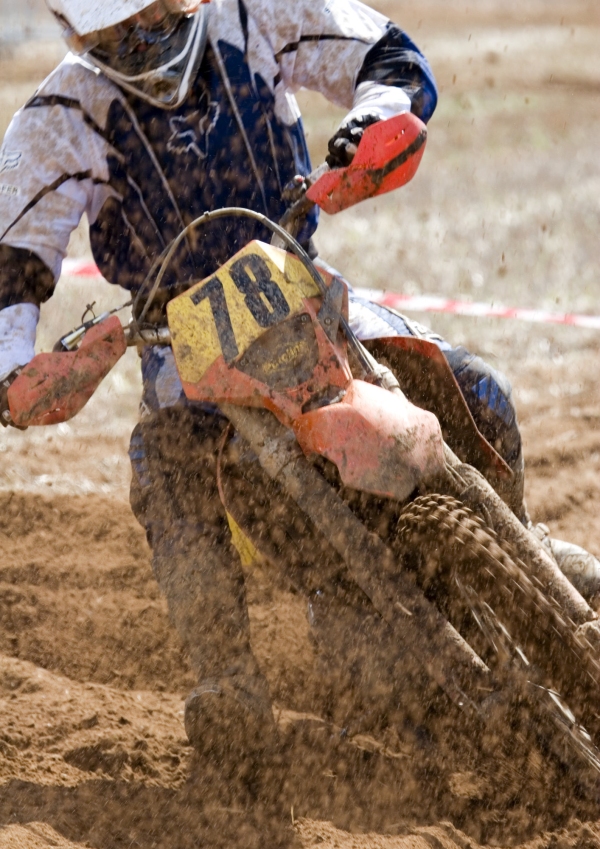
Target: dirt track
92 676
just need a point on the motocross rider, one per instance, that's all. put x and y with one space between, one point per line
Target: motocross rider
161 111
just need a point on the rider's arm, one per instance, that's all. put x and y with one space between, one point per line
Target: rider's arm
49 176
349 52
46 184
25 282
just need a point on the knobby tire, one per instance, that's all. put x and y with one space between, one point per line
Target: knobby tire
479 571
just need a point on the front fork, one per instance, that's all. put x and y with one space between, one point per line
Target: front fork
466 484
571 646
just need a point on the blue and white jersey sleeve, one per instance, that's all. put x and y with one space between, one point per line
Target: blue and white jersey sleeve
333 46
53 165
319 44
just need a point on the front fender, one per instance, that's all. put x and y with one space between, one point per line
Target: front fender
379 441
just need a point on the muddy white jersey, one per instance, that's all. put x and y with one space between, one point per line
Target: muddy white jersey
141 173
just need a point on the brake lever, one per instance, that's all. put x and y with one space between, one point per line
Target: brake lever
71 340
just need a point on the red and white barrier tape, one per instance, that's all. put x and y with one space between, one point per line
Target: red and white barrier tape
431 303
80 268
417 303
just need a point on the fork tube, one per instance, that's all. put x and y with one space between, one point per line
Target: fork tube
378 572
467 485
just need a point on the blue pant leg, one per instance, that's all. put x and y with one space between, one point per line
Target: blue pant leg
488 394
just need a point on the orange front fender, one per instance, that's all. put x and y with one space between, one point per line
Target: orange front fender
380 442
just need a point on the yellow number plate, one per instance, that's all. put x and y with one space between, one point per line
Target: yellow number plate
224 314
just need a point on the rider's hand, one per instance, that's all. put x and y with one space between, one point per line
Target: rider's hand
373 101
5 383
343 145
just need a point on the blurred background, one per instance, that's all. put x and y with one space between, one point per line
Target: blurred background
26 20
505 207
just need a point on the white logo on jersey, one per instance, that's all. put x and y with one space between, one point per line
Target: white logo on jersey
190 135
9 160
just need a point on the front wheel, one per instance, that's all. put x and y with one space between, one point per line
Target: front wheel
479 583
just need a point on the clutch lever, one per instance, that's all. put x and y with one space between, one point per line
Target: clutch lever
71 340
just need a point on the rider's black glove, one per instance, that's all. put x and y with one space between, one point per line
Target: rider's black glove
342 146
5 383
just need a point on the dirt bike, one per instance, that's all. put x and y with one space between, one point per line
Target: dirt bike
357 443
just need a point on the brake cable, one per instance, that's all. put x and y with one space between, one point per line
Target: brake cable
72 339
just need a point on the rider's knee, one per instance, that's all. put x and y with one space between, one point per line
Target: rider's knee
488 394
173 481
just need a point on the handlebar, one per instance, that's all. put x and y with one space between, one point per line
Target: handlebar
147 336
387 157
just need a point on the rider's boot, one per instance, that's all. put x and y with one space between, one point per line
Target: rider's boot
578 565
228 716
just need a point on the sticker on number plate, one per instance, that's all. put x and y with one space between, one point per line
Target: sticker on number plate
225 313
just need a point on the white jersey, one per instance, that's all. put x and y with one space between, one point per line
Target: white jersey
141 173
81 143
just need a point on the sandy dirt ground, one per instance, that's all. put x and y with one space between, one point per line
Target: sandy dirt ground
92 676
